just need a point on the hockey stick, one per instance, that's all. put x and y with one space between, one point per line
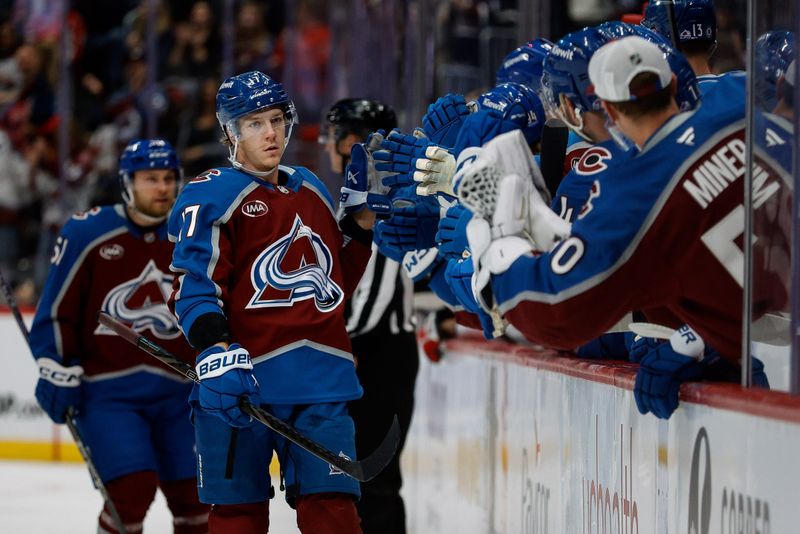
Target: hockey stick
362 470
555 137
69 416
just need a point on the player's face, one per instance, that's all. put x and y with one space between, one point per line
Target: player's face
262 138
154 191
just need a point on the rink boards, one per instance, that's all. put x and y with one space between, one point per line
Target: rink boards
512 440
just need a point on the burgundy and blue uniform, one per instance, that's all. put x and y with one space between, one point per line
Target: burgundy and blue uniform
133 413
273 261
662 231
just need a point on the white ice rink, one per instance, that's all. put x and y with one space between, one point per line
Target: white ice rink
49 498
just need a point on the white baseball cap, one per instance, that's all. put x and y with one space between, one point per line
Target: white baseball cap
616 64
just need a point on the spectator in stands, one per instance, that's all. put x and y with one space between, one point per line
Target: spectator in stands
254 44
200 135
197 46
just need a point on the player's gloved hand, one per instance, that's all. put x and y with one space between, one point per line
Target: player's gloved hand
390 251
459 274
611 346
397 158
444 118
225 377
451 236
664 368
58 388
434 171
640 346
355 194
760 379
413 226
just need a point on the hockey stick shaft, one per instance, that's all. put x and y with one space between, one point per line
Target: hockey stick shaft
555 137
70 415
360 470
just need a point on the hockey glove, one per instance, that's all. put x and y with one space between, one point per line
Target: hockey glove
58 388
611 346
398 158
434 171
760 379
384 248
459 275
451 236
444 119
641 346
355 194
225 377
412 227
663 370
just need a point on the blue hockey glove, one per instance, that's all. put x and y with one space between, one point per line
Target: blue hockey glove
459 279
451 236
226 376
398 157
444 119
58 388
355 194
664 368
384 247
412 227
612 346
641 346
760 379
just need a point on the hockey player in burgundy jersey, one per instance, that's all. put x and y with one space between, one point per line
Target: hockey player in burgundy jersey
263 271
131 410
661 232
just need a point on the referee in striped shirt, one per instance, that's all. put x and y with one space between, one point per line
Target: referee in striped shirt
381 328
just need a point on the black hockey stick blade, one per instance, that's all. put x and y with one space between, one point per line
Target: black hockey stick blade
362 470
555 137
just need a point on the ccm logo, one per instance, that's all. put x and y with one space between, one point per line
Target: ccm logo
255 208
112 252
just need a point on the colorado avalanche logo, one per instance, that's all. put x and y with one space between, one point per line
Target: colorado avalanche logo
142 303
593 161
295 267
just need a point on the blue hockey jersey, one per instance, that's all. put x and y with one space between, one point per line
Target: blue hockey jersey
103 262
274 262
662 232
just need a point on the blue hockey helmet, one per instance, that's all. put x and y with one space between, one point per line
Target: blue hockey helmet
145 154
774 51
566 73
524 64
688 92
695 20
247 93
518 104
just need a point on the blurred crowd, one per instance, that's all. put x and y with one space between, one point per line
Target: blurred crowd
99 77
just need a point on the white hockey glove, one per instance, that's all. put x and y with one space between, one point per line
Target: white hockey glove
435 172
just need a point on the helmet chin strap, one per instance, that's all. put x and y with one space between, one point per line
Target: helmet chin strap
236 165
577 128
